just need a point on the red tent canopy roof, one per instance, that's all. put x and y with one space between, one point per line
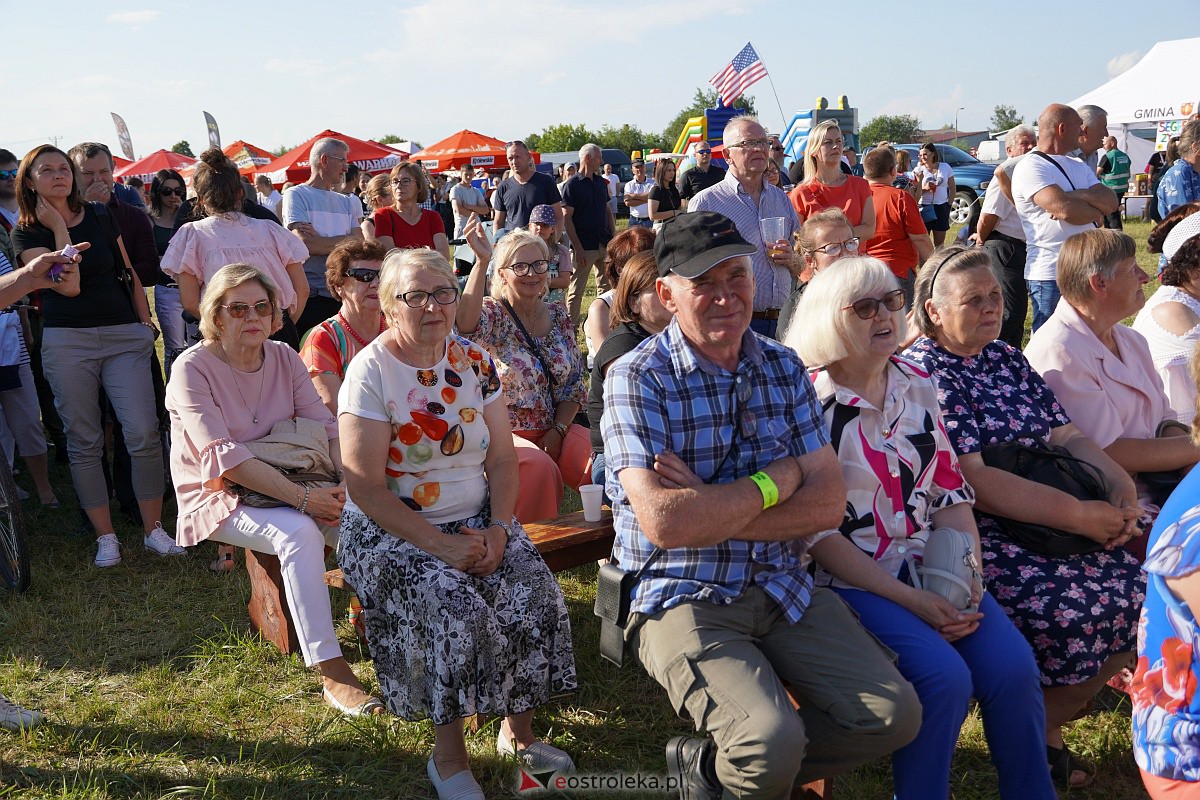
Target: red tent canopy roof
367 155
465 147
146 167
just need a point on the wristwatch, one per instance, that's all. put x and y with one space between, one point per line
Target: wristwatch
505 526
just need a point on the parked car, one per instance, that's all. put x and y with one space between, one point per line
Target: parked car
971 178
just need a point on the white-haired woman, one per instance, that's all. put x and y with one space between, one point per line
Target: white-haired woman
462 615
902 482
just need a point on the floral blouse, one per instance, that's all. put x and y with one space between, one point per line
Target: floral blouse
530 401
992 397
897 462
1166 706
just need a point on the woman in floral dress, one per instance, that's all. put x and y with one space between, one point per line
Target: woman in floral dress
462 614
1078 612
534 347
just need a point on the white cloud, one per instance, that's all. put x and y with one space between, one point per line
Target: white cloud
1123 62
134 19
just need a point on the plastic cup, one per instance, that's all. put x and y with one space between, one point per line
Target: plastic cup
773 229
592 495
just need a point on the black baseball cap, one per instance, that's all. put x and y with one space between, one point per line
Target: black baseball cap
691 244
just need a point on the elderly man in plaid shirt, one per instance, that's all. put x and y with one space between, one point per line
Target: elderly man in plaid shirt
719 467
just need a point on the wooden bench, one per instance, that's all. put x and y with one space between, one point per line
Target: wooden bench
564 542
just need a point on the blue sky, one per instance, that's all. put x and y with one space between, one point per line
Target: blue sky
276 73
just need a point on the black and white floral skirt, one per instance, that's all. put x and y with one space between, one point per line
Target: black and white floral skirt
447 644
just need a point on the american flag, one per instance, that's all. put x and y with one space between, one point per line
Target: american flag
745 69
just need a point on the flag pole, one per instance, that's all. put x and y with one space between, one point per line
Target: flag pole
782 118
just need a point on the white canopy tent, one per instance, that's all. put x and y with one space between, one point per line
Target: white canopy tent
1163 85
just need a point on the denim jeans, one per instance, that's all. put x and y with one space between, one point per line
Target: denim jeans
641 222
1044 295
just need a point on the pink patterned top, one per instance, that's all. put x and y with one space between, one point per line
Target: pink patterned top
897 462
210 419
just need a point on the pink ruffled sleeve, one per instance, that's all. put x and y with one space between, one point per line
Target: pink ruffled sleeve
181 255
204 427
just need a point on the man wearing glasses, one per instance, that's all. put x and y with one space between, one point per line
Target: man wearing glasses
745 197
8 190
778 155
322 217
719 466
701 176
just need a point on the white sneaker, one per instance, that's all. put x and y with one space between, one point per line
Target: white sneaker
15 718
108 550
161 542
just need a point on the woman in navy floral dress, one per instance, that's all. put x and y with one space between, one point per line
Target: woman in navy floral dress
1080 612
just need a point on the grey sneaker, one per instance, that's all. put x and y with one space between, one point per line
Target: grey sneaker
161 542
15 718
108 550
690 762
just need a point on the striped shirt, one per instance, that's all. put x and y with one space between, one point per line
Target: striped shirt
772 284
665 396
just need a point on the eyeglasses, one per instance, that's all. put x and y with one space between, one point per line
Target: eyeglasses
775 148
837 248
362 274
868 307
523 268
703 152
403 182
336 158
7 174
165 191
419 299
753 144
263 308
746 421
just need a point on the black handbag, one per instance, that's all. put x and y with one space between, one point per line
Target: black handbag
614 592
1057 468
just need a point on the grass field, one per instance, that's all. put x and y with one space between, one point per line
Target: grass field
153 687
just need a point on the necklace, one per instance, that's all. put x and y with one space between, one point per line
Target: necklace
237 383
351 330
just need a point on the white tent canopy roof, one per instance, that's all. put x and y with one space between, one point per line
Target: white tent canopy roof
1165 84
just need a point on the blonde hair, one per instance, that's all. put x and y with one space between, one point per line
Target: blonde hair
230 277
824 336
397 263
813 147
506 254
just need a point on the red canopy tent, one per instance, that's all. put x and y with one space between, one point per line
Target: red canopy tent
248 157
120 163
367 155
146 167
462 148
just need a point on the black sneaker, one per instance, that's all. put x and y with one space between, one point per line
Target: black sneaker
690 762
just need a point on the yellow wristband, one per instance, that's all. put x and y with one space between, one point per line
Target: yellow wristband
770 491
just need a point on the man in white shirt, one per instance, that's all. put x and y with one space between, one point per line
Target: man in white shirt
637 192
466 200
613 182
1056 196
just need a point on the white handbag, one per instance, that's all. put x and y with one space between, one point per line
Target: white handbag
948 568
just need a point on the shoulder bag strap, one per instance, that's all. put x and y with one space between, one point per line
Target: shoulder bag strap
532 344
1057 165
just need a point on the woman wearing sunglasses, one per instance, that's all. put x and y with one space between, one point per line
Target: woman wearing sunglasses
233 388
352 272
534 347
902 482
405 224
167 192
225 235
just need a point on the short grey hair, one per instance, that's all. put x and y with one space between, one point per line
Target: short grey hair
327 147
934 277
397 263
227 278
590 147
737 123
1091 114
1010 139
820 329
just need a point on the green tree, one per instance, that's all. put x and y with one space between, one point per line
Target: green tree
283 148
628 138
900 128
183 148
560 138
392 138
1005 117
704 98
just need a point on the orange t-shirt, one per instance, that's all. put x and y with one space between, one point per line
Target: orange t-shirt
896 216
851 197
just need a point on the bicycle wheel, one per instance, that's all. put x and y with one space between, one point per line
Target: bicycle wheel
14 555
